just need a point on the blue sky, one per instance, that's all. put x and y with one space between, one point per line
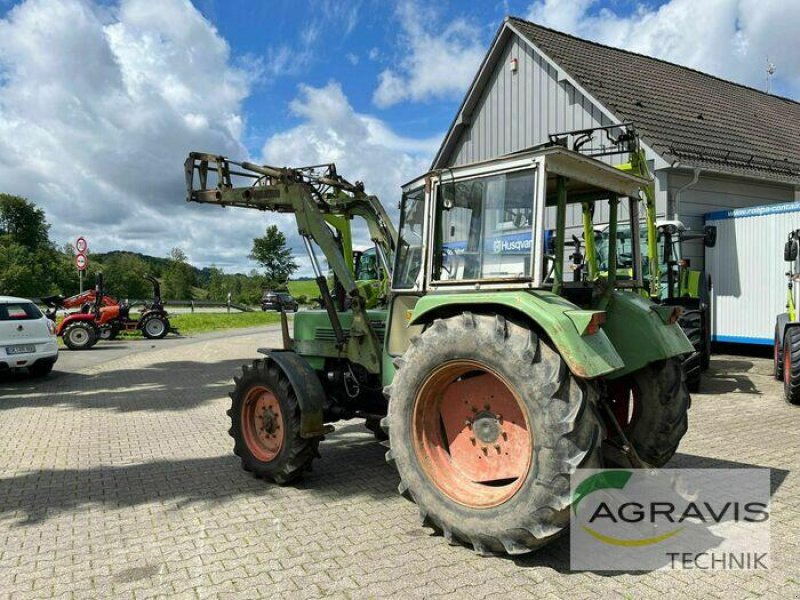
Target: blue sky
101 100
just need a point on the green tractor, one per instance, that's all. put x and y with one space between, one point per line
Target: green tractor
787 326
492 375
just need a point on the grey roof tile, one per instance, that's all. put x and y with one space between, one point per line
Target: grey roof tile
683 114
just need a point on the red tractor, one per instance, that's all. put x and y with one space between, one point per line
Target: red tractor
103 317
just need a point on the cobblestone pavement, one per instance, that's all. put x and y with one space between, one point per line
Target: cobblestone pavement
118 481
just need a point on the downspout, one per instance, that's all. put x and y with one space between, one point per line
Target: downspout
677 196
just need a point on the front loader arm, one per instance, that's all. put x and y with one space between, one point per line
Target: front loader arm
311 194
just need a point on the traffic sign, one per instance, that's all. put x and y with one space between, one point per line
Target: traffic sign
81 246
81 261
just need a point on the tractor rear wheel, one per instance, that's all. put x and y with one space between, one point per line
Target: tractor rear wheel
265 424
80 335
791 365
651 405
691 321
155 327
486 424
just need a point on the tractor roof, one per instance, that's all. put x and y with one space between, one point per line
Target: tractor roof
584 175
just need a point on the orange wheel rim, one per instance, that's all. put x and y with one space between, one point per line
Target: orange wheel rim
262 423
472 435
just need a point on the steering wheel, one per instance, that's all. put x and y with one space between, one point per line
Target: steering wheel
448 255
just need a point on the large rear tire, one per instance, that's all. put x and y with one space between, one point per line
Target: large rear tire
486 424
777 355
80 335
791 365
265 424
691 321
652 405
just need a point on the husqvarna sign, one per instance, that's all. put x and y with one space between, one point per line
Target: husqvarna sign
639 519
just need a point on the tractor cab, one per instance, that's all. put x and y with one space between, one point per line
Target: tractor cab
500 226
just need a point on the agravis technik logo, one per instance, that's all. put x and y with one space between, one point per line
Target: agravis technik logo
690 518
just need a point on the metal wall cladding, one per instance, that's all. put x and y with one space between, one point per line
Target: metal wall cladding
748 274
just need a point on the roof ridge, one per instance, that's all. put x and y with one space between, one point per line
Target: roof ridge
661 60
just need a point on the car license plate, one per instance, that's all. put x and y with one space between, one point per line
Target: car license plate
20 349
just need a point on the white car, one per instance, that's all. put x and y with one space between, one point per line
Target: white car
27 337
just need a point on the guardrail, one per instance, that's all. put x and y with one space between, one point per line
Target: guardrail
191 304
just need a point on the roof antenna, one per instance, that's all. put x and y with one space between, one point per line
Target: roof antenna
770 73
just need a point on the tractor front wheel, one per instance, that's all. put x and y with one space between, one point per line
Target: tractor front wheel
155 327
80 335
651 406
265 424
486 424
791 365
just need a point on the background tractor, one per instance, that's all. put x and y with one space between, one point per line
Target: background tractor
667 274
101 316
499 377
787 327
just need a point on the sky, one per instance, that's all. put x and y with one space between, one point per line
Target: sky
101 101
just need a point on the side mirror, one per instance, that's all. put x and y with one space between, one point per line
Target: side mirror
710 236
790 251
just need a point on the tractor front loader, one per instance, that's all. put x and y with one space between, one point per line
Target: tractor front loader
499 376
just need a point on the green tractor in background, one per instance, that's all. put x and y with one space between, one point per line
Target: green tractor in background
667 274
493 376
787 325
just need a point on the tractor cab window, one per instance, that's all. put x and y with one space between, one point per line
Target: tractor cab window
484 228
409 246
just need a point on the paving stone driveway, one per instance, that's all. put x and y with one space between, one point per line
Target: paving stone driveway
118 481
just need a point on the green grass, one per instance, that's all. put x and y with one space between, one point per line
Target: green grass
191 323
308 289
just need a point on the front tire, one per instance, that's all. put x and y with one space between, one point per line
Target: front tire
265 424
486 425
652 405
791 365
80 335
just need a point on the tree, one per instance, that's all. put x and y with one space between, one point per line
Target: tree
30 265
24 221
275 258
124 277
178 276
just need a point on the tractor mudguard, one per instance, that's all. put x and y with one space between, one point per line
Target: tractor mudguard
307 387
781 325
71 319
631 319
587 356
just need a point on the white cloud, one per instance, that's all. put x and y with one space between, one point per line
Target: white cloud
363 147
728 38
99 106
441 60
98 109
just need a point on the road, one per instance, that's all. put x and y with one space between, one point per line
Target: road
117 481
111 350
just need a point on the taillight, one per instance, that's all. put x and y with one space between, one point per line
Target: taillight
675 315
595 323
51 327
